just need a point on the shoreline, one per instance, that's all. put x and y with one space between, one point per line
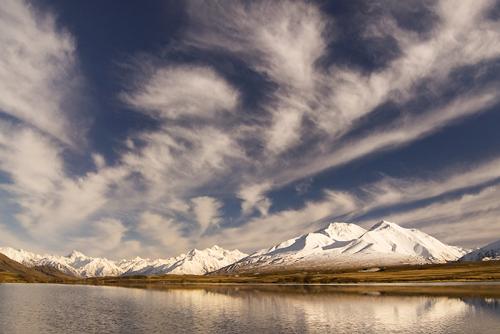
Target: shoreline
475 289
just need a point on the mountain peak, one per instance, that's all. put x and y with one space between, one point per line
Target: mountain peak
384 224
76 254
337 225
340 226
195 262
195 252
349 245
342 231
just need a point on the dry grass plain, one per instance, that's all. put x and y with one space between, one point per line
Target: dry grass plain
411 280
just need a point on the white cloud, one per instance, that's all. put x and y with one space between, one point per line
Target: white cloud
334 99
207 211
160 174
284 130
99 160
462 37
390 191
401 132
178 205
470 220
50 202
173 92
32 160
154 227
101 237
38 71
264 33
177 160
9 238
267 35
253 197
265 231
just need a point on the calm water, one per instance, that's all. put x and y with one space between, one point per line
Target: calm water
34 308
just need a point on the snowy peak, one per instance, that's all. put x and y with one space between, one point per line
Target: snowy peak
76 263
304 242
196 262
20 255
342 245
342 231
76 255
385 225
486 253
334 233
93 267
389 238
199 262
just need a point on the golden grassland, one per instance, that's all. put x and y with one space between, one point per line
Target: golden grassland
33 276
450 272
357 281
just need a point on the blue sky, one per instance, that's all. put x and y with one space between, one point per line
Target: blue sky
147 128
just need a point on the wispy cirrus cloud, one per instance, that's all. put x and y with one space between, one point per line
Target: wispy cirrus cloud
176 91
39 72
400 132
331 100
266 35
457 220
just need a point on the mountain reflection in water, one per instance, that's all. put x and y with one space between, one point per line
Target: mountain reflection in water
38 308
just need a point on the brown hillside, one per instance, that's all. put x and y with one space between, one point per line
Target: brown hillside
12 271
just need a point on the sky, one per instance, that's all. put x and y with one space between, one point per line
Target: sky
146 128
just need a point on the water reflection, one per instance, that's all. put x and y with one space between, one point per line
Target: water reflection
35 308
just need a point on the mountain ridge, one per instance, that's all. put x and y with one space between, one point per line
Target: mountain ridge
338 245
346 245
195 262
488 252
13 271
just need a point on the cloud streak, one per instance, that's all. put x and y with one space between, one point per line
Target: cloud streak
39 75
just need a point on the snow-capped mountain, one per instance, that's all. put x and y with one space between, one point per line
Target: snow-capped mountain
389 238
486 253
343 245
76 263
339 245
195 262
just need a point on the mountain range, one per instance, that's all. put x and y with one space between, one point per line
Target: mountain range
13 271
195 262
339 245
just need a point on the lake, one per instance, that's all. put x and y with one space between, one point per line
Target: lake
44 308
